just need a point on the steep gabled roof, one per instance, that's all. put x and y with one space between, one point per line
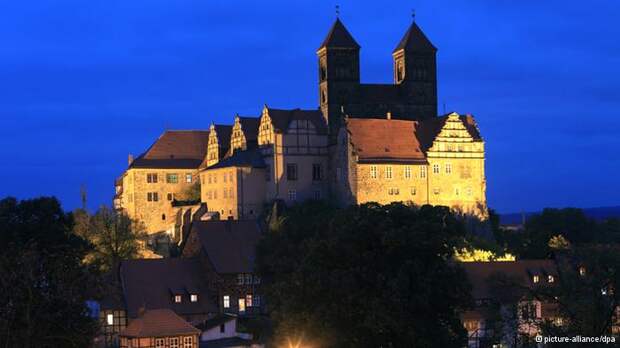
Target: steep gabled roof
223 134
230 245
159 323
385 140
339 37
250 127
520 271
175 149
414 40
281 118
242 158
428 129
148 283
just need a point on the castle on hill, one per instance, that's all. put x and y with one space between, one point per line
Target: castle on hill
363 143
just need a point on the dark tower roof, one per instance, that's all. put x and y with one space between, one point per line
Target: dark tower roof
414 40
339 36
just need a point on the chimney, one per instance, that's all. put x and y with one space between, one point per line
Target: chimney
129 159
388 115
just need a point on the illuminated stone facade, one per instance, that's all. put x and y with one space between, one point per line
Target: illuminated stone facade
364 143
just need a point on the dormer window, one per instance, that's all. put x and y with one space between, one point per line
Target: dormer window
536 279
177 299
193 298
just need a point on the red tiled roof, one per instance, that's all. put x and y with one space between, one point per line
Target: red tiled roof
175 149
385 140
522 271
229 244
158 323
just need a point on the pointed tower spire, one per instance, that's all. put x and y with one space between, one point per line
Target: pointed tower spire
414 40
339 37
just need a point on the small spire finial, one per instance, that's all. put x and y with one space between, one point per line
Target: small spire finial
337 11
413 14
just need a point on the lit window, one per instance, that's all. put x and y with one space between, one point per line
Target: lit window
536 279
373 172
188 178
248 300
292 195
448 168
550 278
177 298
582 271
604 291
226 301
110 319
423 172
435 168
193 298
160 343
172 178
407 172
174 342
388 172
241 305
188 342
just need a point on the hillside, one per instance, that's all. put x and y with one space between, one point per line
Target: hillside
596 213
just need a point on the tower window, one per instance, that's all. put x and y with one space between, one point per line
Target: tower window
323 73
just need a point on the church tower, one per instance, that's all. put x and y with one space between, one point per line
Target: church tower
339 73
415 71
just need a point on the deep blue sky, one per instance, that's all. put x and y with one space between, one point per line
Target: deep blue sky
84 83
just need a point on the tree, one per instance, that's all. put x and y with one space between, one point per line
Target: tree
586 294
113 234
44 285
368 275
